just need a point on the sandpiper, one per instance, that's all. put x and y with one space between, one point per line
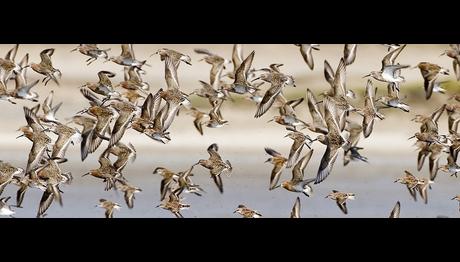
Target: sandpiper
218 63
369 112
453 114
133 81
350 150
22 88
318 124
174 55
216 166
334 140
454 53
411 183
277 81
392 99
451 167
422 188
306 51
247 212
349 53
297 183
93 51
200 119
5 209
457 197
7 172
126 113
45 67
295 213
124 153
109 207
237 59
387 72
396 210
49 111
129 192
300 139
341 198
38 137
241 84
8 66
215 120
107 172
430 73
66 135
174 205
185 183
127 57
279 163
168 177
104 85
88 124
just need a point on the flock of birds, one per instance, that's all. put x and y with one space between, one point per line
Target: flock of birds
153 113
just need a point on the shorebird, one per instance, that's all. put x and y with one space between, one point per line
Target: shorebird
24 182
174 205
337 81
104 85
300 139
349 53
237 59
5 209
216 166
107 172
350 150
457 197
454 53
396 210
240 84
388 71
287 115
175 56
88 124
168 178
341 199
93 51
46 68
411 182
208 91
129 192
126 113
124 153
392 99
66 135
104 116
215 119
297 183
318 124
453 114
218 64
8 66
200 119
279 163
306 52
5 94
247 212
127 57
422 188
334 140
369 112
22 88
38 137
109 207
429 123
49 111
277 81
430 73
133 81
295 213
451 167
185 183
7 172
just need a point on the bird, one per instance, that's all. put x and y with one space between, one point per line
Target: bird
127 57
7 172
341 199
46 68
388 71
93 51
109 207
247 212
295 213
454 53
297 183
129 192
396 210
411 183
216 166
306 52
369 112
430 73
279 163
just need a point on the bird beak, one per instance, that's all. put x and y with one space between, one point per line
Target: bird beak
271 120
235 211
286 135
366 75
410 137
266 161
19 136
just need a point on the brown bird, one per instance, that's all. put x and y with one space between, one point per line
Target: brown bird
109 207
45 67
216 166
279 163
430 73
396 210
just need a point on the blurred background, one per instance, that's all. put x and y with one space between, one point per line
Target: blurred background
243 140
